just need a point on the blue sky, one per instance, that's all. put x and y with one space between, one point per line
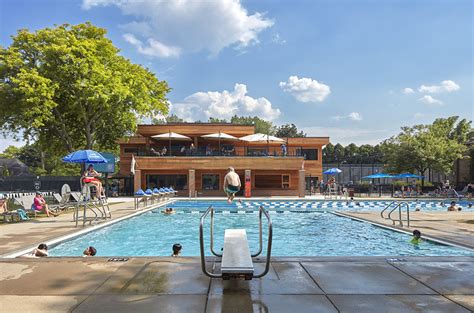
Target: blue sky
353 70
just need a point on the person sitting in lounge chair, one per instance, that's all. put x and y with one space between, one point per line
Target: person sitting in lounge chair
3 205
39 204
155 152
91 176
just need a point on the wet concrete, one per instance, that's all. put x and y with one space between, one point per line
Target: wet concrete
427 284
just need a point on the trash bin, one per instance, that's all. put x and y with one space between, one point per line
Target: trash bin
351 192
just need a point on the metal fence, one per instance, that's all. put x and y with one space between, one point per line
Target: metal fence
10 184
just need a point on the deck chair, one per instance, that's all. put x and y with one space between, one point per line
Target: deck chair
63 202
27 203
139 196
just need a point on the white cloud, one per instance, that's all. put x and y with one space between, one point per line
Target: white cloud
346 136
445 86
354 116
154 48
306 89
225 104
189 25
427 99
407 91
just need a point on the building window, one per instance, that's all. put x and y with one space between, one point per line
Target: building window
285 181
210 182
257 151
308 154
178 182
268 181
130 150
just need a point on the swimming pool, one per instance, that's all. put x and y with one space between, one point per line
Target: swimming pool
299 229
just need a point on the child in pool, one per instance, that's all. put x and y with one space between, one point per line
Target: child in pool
416 237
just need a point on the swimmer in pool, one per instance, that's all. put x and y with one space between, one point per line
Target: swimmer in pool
168 211
416 237
177 249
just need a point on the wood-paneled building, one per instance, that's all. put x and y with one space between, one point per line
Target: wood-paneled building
197 166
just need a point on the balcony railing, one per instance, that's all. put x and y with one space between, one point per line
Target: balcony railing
217 154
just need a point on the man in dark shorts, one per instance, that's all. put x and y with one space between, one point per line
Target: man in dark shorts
231 184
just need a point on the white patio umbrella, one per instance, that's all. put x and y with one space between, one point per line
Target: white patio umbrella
171 136
220 136
262 138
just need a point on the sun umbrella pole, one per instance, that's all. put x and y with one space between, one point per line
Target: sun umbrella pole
169 139
220 151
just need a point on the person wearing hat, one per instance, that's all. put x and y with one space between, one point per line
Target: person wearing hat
231 184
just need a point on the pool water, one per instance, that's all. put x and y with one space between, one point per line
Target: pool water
297 231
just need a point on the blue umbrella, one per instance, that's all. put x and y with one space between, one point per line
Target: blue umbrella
332 171
408 175
378 175
84 156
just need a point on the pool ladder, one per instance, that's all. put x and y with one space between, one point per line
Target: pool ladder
236 260
394 205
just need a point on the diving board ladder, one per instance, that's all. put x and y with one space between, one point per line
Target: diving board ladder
236 259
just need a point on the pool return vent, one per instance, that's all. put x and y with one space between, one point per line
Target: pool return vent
236 259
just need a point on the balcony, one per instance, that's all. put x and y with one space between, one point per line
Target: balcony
199 162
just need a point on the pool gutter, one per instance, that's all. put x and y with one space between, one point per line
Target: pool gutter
397 229
54 242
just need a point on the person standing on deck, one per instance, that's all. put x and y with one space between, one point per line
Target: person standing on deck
231 184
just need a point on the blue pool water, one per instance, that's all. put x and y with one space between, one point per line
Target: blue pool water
300 228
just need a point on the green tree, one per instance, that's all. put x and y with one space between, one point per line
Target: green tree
351 152
68 87
261 126
289 131
421 147
217 120
339 155
328 153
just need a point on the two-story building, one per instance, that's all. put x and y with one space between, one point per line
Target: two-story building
196 165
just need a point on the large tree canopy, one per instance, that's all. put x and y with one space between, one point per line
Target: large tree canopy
68 88
423 147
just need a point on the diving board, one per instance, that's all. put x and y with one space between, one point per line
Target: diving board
236 258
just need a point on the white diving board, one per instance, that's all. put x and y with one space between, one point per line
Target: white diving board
236 258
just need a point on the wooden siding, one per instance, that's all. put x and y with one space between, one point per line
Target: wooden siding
190 129
218 163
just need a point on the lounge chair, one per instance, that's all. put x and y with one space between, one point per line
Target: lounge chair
63 202
139 197
149 196
157 194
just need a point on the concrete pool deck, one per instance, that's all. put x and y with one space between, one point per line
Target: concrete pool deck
357 284
162 284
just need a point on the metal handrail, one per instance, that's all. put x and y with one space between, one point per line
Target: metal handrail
210 210
386 208
269 245
399 207
201 243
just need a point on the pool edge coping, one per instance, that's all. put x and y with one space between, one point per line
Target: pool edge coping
428 237
55 241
